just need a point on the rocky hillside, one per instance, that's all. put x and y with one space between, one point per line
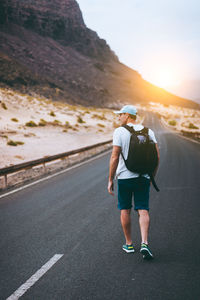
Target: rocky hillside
46 49
60 20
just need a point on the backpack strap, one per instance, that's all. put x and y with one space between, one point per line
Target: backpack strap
153 182
144 130
129 128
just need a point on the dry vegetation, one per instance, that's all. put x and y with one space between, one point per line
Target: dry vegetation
184 120
38 127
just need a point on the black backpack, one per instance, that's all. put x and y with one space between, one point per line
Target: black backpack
142 154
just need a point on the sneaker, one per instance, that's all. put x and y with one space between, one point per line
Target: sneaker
128 248
146 252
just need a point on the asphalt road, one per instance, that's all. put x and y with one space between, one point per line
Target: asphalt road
72 214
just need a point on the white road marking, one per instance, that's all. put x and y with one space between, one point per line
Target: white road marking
33 279
53 175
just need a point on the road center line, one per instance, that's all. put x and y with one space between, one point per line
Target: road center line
33 279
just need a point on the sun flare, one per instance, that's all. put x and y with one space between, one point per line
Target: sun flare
165 77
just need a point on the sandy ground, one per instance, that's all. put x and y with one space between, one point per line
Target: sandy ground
178 118
59 127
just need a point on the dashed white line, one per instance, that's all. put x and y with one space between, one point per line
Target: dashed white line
33 279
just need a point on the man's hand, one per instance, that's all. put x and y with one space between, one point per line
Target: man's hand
114 159
111 187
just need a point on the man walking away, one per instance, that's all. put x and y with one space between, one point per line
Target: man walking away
130 183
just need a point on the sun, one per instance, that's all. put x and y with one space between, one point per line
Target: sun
165 76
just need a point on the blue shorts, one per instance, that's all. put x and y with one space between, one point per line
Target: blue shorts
139 187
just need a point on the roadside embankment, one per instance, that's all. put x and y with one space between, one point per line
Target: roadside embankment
183 121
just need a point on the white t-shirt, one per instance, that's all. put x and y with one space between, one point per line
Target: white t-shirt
121 137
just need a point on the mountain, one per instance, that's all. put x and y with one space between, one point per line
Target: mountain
46 49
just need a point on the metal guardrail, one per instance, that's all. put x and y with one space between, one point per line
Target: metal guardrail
27 165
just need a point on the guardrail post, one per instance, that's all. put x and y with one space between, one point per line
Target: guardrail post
64 160
6 181
82 155
44 167
67 160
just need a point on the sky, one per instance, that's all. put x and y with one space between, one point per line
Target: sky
158 38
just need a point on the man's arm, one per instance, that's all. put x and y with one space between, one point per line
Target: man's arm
113 167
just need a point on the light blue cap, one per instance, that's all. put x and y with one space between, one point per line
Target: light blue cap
130 109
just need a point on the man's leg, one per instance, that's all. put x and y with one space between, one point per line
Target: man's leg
144 222
126 224
125 204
